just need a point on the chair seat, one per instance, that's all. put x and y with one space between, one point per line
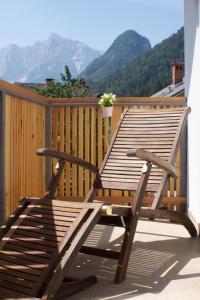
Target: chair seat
36 243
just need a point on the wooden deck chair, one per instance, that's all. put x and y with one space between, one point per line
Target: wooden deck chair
150 136
44 235
41 239
38 245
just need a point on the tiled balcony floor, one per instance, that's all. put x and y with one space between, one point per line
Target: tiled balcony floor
164 264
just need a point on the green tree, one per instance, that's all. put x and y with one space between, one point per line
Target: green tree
67 87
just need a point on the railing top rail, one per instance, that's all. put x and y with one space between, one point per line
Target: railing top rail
11 89
21 92
119 101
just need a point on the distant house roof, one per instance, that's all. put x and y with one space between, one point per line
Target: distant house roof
176 88
171 90
29 85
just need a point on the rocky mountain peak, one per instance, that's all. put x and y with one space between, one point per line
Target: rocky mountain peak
44 59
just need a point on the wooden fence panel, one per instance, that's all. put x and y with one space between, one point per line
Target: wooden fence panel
24 133
77 127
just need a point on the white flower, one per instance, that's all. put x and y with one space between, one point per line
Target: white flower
107 99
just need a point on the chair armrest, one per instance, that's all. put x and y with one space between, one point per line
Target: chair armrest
67 157
158 161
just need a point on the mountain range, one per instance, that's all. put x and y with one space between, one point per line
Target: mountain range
143 75
130 66
126 47
45 59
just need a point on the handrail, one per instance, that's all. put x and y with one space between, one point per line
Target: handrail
120 101
26 94
11 89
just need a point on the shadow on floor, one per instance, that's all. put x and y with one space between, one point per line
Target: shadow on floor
155 261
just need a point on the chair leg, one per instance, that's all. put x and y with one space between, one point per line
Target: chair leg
132 224
125 252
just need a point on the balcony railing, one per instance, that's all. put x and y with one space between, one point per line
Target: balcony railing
29 121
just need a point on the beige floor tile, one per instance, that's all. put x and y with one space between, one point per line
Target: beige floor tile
164 264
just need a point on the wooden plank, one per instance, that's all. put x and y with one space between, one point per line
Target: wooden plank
80 149
61 147
93 139
123 149
67 146
45 227
16 288
31 245
166 126
7 154
151 120
38 234
19 282
51 217
34 240
87 147
126 185
26 251
121 100
100 142
18 264
54 212
41 230
27 257
18 273
61 203
74 151
56 206
55 133
6 292
52 222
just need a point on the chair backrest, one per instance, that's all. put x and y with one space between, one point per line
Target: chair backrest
156 130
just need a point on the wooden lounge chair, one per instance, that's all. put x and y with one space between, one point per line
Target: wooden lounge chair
41 239
150 136
38 245
44 235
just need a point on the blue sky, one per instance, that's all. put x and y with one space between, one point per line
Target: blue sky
94 22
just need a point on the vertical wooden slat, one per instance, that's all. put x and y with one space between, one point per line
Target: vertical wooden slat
80 150
87 147
55 134
74 150
2 157
93 138
67 148
61 147
48 141
100 143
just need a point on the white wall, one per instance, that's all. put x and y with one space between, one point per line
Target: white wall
192 90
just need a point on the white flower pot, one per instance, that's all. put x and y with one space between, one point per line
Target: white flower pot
107 111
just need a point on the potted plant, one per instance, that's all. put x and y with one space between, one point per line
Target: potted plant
106 102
